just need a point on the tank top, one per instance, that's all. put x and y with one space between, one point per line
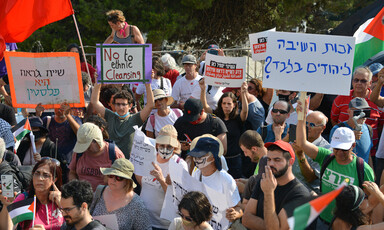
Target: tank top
126 40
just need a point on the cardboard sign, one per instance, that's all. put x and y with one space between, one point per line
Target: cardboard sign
143 153
309 62
117 63
224 71
47 78
183 183
258 42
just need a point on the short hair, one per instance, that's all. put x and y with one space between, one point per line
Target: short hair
363 70
285 102
2 148
80 191
259 86
251 138
219 110
286 154
123 94
158 66
168 61
107 93
101 123
198 206
115 16
85 78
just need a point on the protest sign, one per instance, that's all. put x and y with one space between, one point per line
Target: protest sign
258 42
47 78
143 153
110 221
123 63
309 62
183 183
224 71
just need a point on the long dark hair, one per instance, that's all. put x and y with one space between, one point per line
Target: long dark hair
74 45
219 110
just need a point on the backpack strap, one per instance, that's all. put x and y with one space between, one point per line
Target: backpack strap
264 132
99 191
152 122
325 164
111 150
370 131
162 83
78 155
360 170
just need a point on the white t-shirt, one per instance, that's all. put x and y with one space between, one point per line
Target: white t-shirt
155 84
160 121
222 182
153 194
183 88
212 96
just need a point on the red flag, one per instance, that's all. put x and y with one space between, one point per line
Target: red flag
376 27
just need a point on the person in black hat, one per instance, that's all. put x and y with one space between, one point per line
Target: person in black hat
195 122
44 146
209 171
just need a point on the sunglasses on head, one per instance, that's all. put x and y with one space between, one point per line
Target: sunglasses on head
116 177
280 111
185 217
358 111
360 80
55 161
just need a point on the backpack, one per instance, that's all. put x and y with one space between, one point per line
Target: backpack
111 151
152 118
23 174
359 166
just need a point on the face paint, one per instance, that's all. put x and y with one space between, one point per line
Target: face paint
165 153
124 116
202 162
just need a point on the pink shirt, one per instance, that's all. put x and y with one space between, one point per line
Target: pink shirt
47 215
88 166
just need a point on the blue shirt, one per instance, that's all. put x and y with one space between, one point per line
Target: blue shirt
271 135
256 115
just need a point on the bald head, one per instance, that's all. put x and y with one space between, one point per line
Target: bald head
316 123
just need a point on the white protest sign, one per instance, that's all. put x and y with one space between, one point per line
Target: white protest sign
224 71
110 221
309 62
47 78
183 183
143 153
258 42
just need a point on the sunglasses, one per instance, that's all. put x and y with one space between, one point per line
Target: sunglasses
116 177
55 161
312 125
360 80
358 112
280 111
336 149
185 217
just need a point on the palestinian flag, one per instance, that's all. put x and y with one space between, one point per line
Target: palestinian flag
305 214
369 39
21 211
22 129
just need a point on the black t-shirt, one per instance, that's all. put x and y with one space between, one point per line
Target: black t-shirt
236 126
252 181
93 225
212 125
8 114
288 196
265 106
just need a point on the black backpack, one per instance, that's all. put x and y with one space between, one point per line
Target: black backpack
23 175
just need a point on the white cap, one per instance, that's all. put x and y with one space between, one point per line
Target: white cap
343 138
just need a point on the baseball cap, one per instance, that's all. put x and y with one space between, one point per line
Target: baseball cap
85 135
229 89
168 136
189 59
358 103
121 167
343 138
192 109
213 47
283 145
159 94
375 68
207 145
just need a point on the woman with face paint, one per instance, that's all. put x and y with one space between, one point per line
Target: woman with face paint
154 187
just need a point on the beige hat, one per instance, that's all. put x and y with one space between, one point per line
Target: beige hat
122 168
85 135
221 147
159 93
168 136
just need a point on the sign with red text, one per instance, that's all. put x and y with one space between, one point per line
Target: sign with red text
224 71
118 63
47 78
258 42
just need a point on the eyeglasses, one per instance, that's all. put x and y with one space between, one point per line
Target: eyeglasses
116 177
45 176
356 80
336 149
312 125
53 160
120 104
67 210
280 111
188 218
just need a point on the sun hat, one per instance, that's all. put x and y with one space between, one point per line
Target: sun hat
168 136
159 94
206 145
85 135
221 147
121 167
343 138
283 145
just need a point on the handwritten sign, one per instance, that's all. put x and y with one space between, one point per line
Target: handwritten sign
143 153
258 42
309 62
47 78
124 63
224 71
183 183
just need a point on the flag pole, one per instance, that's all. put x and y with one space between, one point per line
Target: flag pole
34 211
81 44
